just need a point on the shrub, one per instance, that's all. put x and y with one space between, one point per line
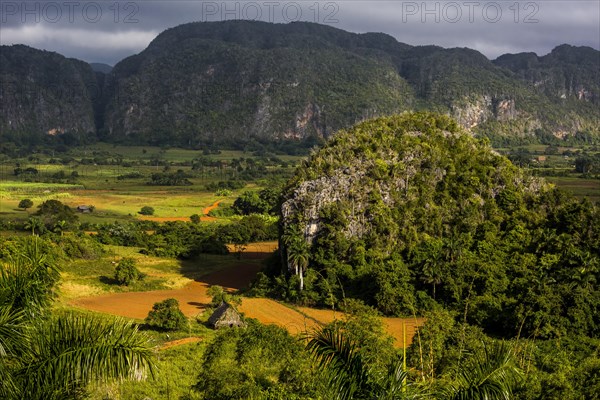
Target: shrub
195 218
223 192
147 210
126 272
53 211
166 315
25 204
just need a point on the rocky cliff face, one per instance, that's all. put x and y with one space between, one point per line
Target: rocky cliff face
44 93
381 178
236 81
568 72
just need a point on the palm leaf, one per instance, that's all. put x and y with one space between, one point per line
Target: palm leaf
70 351
490 374
336 355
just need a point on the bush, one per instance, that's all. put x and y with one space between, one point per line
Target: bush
126 272
166 315
147 210
25 204
195 218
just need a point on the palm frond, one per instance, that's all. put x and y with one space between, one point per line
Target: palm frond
73 350
13 332
490 374
336 355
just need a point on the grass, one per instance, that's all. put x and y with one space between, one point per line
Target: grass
580 187
81 278
177 372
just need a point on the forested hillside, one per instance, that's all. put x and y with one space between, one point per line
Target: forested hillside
411 214
44 94
235 83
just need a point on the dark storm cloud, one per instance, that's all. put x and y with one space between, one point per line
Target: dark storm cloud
107 31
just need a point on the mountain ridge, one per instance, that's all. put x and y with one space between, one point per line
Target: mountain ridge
236 82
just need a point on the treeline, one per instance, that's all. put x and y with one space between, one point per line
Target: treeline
187 240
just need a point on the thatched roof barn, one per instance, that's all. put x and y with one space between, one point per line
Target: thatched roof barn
225 316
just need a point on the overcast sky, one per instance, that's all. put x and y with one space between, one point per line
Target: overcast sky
108 31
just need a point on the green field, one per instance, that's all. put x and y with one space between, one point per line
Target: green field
115 180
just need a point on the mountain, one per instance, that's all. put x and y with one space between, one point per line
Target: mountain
101 67
235 82
238 80
567 72
410 212
45 94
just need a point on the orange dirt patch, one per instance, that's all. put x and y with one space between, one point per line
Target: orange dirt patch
193 299
256 251
395 327
180 342
271 312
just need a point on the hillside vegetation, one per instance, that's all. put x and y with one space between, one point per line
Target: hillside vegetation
411 214
239 83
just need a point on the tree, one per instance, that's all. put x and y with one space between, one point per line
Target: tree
219 295
249 203
126 272
348 374
34 224
147 210
490 374
70 351
259 362
263 202
25 204
166 315
58 356
59 227
298 254
52 211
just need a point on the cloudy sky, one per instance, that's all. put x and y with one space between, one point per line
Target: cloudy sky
108 31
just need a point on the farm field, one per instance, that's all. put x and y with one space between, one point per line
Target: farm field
194 300
581 187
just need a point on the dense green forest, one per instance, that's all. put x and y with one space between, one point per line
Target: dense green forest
415 217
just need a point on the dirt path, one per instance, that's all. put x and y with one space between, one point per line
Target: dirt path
210 208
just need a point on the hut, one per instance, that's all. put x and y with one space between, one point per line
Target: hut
225 316
84 209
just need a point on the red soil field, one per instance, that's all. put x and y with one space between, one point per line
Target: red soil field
193 300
